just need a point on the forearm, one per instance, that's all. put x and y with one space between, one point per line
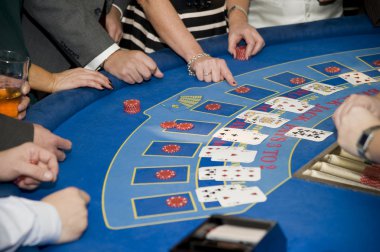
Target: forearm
40 79
237 16
27 223
165 20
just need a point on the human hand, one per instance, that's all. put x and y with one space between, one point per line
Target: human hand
132 66
113 24
351 124
79 77
70 204
25 89
51 142
370 103
210 69
28 165
242 30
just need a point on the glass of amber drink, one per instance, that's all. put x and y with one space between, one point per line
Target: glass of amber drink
13 75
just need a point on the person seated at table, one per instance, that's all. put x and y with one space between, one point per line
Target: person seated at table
40 79
152 25
58 218
64 34
358 124
263 13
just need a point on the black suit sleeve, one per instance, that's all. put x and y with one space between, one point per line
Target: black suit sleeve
14 132
373 10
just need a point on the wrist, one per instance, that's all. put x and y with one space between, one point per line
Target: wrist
237 13
373 148
109 58
366 140
193 60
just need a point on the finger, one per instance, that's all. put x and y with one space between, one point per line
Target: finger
36 172
24 184
63 144
21 115
144 72
84 196
227 75
232 44
49 161
199 72
25 88
136 76
25 100
209 70
157 73
258 46
61 156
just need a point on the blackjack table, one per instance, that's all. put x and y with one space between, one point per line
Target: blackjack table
121 161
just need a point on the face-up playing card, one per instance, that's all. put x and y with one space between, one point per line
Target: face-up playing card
239 156
292 105
356 78
321 88
208 151
208 173
238 174
246 195
268 121
240 135
252 113
308 134
208 193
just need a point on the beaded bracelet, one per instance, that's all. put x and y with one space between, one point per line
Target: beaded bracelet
192 60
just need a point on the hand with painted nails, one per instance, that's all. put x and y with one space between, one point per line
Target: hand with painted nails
28 165
211 69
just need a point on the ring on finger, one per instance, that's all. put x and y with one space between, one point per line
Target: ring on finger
206 74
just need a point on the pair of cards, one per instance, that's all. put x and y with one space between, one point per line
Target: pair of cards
357 78
228 154
265 119
289 104
308 134
240 136
229 173
321 88
230 195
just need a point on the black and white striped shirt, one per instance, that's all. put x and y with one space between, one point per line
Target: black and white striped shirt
203 21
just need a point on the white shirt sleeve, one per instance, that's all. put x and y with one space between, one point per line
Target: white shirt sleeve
25 222
98 60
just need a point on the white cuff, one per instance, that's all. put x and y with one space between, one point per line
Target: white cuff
47 225
120 10
95 63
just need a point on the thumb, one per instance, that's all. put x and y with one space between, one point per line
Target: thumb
37 172
157 73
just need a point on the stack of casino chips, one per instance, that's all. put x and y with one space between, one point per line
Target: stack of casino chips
240 52
132 106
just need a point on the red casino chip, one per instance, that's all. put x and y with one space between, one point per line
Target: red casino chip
297 80
168 125
132 106
165 174
213 106
176 201
184 126
242 90
171 148
370 181
332 69
240 52
376 63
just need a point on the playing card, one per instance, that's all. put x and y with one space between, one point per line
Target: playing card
208 173
237 234
240 135
268 121
239 156
356 78
238 174
207 151
321 88
252 113
292 105
308 133
246 195
208 193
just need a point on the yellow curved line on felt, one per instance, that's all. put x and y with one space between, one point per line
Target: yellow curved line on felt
193 218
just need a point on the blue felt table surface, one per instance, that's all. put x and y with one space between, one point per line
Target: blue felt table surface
314 217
